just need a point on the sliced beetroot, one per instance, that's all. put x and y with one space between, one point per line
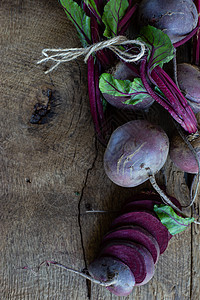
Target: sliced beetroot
153 197
108 268
148 204
135 256
150 195
140 205
147 221
135 234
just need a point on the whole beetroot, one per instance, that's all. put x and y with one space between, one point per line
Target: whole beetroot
177 18
182 156
135 150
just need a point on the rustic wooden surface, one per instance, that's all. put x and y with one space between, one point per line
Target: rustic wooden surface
52 172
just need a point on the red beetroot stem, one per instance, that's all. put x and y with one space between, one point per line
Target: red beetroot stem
125 21
164 102
99 104
177 102
96 106
187 38
96 33
92 95
183 101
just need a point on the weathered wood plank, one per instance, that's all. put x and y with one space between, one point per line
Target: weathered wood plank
42 165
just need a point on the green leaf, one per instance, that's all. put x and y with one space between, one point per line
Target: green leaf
138 92
123 88
171 220
114 10
159 44
78 17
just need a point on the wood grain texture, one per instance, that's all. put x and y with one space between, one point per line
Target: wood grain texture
50 170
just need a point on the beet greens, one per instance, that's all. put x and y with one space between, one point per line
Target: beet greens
96 20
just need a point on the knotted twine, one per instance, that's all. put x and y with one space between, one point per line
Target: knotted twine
64 55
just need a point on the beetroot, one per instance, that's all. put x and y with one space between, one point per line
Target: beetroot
135 149
108 268
147 221
177 18
140 205
189 82
135 256
182 156
135 234
140 202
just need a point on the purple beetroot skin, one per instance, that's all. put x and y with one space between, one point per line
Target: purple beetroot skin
177 18
135 150
147 221
182 156
135 234
135 256
122 72
189 82
108 268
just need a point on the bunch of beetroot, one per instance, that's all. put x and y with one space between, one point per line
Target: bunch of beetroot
146 81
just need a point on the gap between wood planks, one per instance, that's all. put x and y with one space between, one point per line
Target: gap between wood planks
88 283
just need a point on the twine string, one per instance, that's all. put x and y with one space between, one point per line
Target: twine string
64 55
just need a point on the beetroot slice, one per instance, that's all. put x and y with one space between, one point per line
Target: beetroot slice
150 195
135 234
135 256
107 268
140 205
147 221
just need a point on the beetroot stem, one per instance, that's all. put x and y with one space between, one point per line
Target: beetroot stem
164 102
187 38
183 101
92 96
125 21
166 200
105 284
95 100
171 91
